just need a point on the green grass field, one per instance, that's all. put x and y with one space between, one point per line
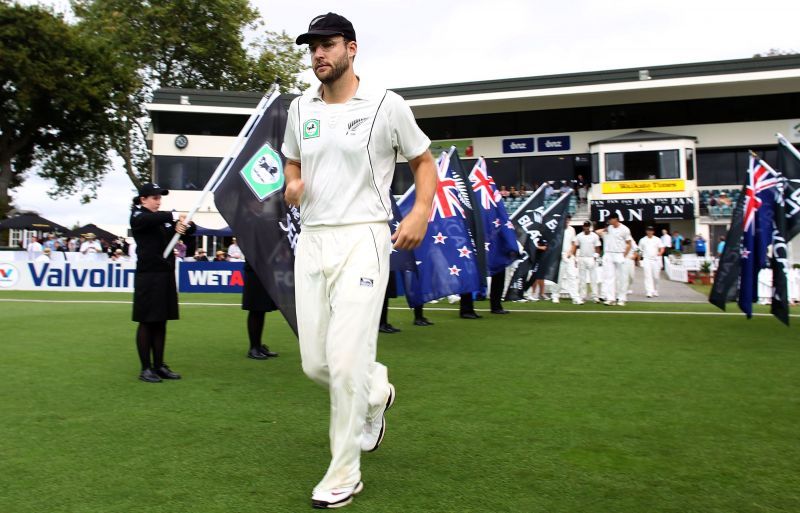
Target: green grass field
553 410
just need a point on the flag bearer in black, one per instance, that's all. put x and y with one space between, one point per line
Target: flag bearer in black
155 296
257 302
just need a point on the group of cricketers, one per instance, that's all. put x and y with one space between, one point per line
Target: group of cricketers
600 264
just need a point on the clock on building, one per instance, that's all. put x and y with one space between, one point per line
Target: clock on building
181 141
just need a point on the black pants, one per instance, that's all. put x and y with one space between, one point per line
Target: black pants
496 290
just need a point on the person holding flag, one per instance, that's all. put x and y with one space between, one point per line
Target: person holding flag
499 235
340 143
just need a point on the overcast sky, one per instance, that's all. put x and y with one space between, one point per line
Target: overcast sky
415 42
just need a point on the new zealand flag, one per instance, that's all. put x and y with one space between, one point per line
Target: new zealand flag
448 261
500 237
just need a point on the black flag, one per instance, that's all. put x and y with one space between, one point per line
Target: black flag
789 167
779 262
729 268
250 198
555 219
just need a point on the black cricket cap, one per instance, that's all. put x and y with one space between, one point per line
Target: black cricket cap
152 189
587 223
330 24
649 229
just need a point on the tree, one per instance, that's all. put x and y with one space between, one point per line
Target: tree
56 90
182 44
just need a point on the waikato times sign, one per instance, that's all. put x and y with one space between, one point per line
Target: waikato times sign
643 209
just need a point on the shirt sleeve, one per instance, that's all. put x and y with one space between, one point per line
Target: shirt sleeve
291 144
407 137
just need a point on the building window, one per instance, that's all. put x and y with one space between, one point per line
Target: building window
642 165
184 173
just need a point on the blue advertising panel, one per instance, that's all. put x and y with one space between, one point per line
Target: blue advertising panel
554 143
211 277
518 145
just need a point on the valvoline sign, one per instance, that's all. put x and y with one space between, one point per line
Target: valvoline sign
211 277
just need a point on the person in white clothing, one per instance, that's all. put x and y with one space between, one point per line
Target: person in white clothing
630 266
341 143
567 271
234 252
652 248
616 247
666 240
587 249
34 248
91 245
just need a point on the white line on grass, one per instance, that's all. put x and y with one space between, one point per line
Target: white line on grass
439 309
655 312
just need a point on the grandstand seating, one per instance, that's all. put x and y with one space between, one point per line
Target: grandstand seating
710 205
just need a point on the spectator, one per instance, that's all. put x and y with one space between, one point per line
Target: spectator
565 188
220 257
91 245
34 248
677 241
549 190
514 193
721 245
234 252
180 247
523 192
503 192
200 256
583 192
73 244
724 200
117 255
50 243
700 246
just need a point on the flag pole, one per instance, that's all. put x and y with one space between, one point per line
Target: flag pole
269 97
522 207
783 140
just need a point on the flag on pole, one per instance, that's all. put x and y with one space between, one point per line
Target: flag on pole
538 227
249 196
753 230
789 167
447 262
500 238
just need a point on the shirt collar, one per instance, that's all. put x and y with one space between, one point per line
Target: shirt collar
360 94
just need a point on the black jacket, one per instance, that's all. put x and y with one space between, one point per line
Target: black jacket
152 231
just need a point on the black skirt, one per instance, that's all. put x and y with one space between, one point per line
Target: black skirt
255 297
155 297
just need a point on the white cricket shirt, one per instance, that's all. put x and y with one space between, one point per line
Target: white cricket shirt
615 238
650 246
666 241
587 244
347 154
569 239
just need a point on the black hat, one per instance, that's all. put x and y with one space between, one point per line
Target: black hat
152 189
330 24
587 223
650 229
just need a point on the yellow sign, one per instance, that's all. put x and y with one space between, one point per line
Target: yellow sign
644 186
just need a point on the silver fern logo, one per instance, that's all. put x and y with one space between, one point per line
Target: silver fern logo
353 125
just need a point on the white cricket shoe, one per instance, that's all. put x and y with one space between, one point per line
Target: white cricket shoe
649 295
597 300
336 498
655 294
578 302
556 300
609 302
620 303
375 428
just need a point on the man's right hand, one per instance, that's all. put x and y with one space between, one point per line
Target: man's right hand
294 191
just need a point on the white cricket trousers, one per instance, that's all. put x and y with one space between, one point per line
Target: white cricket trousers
567 277
652 269
341 273
615 286
587 274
